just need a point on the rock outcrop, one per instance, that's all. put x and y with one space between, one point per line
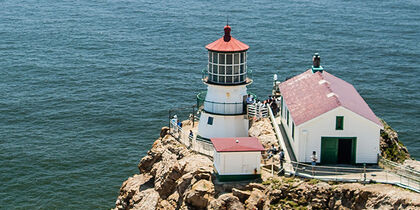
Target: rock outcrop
173 177
170 177
391 147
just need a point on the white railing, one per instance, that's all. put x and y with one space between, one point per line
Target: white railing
194 143
257 110
348 174
223 108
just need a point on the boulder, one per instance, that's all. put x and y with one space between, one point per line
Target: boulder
165 205
242 195
252 186
164 131
255 200
166 176
200 194
146 200
129 189
183 183
195 162
226 201
264 131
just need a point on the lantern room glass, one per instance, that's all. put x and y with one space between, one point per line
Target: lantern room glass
227 68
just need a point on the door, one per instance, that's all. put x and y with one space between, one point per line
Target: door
244 104
328 150
344 151
340 150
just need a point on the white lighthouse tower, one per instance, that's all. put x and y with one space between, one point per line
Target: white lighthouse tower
224 113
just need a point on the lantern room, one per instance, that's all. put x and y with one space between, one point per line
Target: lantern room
227 60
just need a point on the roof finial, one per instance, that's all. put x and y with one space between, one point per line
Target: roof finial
227 36
227 20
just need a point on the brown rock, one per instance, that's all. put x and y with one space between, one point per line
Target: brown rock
174 199
196 162
255 200
164 131
200 194
129 189
242 195
252 186
183 183
226 201
166 177
147 199
264 131
165 205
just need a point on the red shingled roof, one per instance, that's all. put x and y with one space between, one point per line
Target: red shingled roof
309 95
227 43
244 144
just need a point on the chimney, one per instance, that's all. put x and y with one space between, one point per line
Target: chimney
316 63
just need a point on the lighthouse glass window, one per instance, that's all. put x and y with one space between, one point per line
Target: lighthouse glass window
227 68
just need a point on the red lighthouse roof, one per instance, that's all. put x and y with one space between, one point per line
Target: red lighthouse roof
227 43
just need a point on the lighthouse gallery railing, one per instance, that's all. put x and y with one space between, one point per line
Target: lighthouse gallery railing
221 108
244 77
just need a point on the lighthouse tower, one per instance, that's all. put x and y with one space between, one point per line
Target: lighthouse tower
224 112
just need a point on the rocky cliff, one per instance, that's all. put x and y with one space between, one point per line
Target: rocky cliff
391 147
173 177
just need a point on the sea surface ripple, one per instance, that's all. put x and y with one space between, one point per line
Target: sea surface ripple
85 86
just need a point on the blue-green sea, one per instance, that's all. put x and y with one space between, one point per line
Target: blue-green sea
85 85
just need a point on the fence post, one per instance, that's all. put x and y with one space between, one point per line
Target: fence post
364 173
336 174
272 168
169 120
193 116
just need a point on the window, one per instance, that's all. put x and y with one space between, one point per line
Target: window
281 106
222 58
224 65
210 121
228 58
236 61
287 111
293 131
339 123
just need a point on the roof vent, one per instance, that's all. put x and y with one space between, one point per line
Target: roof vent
237 141
331 95
316 63
323 81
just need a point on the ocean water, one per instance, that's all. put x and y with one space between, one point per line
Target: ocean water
85 85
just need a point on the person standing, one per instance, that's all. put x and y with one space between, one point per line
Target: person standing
191 136
272 151
314 158
281 157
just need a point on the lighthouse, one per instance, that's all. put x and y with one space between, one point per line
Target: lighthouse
224 112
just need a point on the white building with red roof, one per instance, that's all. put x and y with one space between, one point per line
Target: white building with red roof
237 158
325 114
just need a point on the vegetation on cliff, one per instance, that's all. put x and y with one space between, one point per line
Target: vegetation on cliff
391 147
